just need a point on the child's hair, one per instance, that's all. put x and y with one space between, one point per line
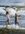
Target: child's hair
7 12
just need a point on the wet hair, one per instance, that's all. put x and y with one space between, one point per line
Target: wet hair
7 12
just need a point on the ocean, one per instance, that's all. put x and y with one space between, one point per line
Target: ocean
2 19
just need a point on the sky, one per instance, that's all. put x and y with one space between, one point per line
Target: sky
11 1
